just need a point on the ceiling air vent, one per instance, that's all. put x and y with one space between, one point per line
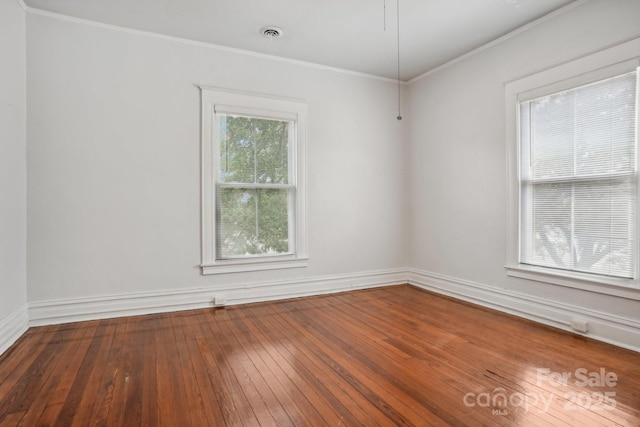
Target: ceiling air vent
271 32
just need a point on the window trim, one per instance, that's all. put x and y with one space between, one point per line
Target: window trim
255 105
609 62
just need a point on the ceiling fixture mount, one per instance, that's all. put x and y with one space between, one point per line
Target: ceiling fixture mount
270 32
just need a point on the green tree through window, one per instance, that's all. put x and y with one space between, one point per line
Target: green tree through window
254 195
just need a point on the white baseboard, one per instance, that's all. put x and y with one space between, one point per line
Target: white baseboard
80 309
620 331
12 327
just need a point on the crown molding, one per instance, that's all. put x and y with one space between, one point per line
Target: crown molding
213 46
501 39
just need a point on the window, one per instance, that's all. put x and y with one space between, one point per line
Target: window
578 178
573 181
253 182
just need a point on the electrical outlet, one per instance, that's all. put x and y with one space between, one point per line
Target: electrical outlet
220 300
579 325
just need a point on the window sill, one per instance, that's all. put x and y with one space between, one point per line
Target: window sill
626 288
246 265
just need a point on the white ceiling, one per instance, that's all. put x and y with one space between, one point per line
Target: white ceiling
347 34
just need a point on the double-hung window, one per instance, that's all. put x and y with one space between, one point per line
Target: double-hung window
577 177
253 182
578 192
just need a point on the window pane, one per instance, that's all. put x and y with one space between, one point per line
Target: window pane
583 131
237 151
552 131
547 241
252 222
604 219
254 150
605 127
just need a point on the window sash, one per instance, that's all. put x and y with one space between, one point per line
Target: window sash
292 142
226 226
582 226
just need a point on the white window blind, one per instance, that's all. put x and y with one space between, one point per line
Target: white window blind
578 178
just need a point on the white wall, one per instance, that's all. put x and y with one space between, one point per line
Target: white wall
113 176
457 199
114 164
13 185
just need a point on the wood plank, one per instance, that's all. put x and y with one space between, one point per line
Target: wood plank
386 398
282 380
135 378
172 399
223 365
266 406
461 376
12 419
222 405
29 385
63 374
149 412
349 405
209 398
93 368
11 359
182 330
109 370
388 373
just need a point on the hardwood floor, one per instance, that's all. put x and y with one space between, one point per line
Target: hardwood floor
386 356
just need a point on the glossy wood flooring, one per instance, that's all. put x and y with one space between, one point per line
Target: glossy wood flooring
388 356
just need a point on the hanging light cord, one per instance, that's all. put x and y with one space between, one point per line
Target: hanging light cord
384 15
398 27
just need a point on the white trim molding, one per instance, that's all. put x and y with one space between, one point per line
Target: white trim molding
109 306
12 327
612 329
192 42
586 282
217 102
257 265
519 30
606 327
612 61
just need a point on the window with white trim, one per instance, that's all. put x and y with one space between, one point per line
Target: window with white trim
572 136
578 181
253 182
